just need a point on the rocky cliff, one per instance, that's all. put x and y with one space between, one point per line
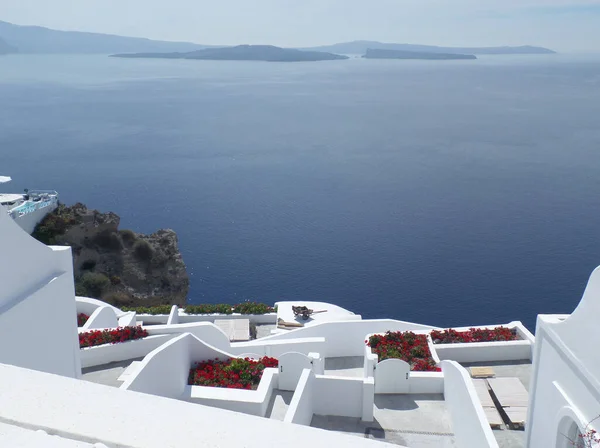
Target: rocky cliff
119 266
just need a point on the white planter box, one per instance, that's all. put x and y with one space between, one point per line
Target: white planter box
254 402
121 351
489 351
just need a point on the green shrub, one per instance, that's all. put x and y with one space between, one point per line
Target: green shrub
221 308
143 250
252 308
80 289
128 237
55 224
154 310
207 308
108 239
95 284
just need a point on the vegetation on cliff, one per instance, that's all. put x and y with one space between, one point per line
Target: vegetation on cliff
122 267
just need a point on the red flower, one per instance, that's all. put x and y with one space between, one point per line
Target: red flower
236 373
451 336
100 337
406 346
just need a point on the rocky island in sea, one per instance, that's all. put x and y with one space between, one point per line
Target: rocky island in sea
399 54
121 267
268 53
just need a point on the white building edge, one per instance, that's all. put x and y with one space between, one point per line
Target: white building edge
329 390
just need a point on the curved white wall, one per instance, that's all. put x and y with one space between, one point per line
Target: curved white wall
37 289
345 338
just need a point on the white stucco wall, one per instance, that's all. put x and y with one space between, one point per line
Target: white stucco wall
471 428
164 371
565 384
300 411
331 396
87 305
270 318
102 317
346 338
518 350
338 395
81 410
253 402
205 331
37 288
173 316
123 351
560 389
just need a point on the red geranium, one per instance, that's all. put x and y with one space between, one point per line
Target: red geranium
236 373
82 319
100 337
408 346
451 336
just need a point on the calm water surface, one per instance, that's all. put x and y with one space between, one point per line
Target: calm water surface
449 193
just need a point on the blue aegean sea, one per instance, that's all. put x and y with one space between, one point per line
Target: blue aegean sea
440 192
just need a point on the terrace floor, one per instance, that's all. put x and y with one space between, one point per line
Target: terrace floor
507 437
415 421
279 404
349 366
107 374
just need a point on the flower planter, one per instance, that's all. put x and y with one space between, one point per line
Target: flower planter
467 352
254 402
393 376
234 373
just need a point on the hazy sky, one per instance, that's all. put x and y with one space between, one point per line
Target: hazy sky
560 24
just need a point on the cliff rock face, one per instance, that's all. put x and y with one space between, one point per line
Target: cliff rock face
119 266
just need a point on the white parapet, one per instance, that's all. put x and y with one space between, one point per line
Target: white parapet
37 292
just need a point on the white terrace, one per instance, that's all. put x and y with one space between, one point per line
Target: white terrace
328 390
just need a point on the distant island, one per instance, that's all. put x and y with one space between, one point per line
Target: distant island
266 53
397 54
361 47
40 40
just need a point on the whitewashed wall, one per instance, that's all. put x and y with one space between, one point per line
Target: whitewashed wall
331 396
36 288
277 348
88 411
214 336
471 428
123 351
205 331
565 386
253 402
301 407
490 351
346 338
87 305
259 319
164 371
102 317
